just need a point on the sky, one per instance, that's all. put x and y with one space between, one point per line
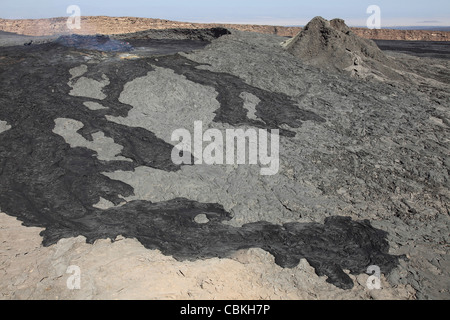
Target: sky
271 12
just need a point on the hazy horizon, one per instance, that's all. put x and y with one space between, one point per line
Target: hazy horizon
434 13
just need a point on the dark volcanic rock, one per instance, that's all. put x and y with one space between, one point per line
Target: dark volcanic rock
274 109
338 244
177 34
333 46
47 183
121 25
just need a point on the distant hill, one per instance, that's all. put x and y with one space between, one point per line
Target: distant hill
121 25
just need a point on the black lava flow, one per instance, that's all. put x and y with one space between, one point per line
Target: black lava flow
98 42
46 183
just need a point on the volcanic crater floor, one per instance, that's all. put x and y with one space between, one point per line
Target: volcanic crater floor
87 179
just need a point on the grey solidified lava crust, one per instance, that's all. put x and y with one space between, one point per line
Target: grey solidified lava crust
44 182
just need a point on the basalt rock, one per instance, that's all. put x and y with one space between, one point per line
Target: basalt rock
46 182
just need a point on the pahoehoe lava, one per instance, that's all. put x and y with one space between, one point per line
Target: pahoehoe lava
45 182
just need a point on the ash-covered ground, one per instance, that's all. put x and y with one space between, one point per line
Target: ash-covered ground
85 155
